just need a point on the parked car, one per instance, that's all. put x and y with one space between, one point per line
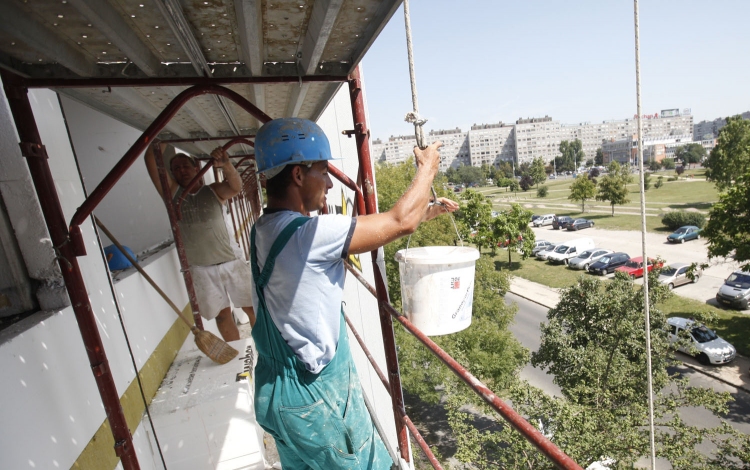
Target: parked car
561 222
685 233
544 220
541 245
579 224
634 266
534 217
566 250
584 260
608 263
711 349
736 291
675 275
543 254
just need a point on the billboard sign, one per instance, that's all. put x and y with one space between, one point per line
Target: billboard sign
670 113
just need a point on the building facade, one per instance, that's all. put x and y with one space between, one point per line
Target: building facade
540 137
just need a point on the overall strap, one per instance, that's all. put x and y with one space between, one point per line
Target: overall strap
261 278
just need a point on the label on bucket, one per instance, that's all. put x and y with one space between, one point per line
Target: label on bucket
463 311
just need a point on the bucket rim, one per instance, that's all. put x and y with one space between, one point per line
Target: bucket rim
457 254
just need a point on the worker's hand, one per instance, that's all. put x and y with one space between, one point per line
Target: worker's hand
443 206
429 157
220 157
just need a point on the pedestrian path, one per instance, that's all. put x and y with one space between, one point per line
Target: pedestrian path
734 374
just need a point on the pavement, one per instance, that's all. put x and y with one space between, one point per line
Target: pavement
734 374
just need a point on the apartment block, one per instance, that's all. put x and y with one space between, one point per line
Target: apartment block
491 144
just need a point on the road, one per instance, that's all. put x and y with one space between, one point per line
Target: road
629 241
526 329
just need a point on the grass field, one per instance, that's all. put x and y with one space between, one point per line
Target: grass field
685 194
730 325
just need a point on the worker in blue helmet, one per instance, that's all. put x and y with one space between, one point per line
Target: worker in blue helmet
307 394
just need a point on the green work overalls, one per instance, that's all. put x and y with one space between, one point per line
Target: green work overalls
319 421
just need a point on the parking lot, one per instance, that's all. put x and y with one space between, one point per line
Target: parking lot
656 246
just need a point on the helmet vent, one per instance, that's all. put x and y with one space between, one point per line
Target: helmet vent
301 135
285 137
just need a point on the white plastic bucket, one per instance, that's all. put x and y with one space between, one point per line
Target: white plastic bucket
437 287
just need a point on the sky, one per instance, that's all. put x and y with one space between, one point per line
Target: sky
485 61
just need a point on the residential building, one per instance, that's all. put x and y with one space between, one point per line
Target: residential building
537 137
707 130
491 144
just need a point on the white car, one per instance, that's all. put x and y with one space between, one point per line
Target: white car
711 349
583 260
544 220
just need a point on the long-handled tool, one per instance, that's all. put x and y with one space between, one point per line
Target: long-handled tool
216 349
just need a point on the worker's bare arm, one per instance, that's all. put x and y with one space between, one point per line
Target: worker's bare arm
153 171
232 183
375 230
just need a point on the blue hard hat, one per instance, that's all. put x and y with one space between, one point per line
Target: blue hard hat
116 260
290 141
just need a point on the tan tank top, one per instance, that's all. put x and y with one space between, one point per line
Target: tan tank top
204 232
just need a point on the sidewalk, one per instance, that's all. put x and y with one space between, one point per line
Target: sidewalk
734 374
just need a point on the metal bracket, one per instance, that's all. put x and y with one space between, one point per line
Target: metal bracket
120 447
32 150
99 369
349 133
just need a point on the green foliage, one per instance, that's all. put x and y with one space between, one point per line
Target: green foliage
526 182
731 157
474 220
542 191
594 345
676 219
672 178
572 154
505 182
690 153
668 164
505 169
599 158
582 190
646 181
659 182
679 170
653 165
728 228
537 173
512 227
613 186
514 186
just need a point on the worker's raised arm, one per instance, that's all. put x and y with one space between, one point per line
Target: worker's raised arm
153 171
232 183
375 230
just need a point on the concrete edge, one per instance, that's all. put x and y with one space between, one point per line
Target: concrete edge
717 377
530 299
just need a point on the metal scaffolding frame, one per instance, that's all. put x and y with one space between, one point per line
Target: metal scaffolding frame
67 240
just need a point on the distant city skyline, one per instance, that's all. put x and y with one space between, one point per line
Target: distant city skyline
485 62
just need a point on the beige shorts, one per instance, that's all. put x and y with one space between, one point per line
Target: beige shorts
216 285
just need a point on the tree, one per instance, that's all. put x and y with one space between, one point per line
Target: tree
659 182
599 158
729 223
582 190
526 182
680 170
589 162
646 181
512 226
668 164
594 173
613 186
514 186
505 169
731 156
594 345
524 169
542 191
474 220
537 173
572 155
653 165
468 174
690 153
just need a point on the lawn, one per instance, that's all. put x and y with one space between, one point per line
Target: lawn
691 194
730 325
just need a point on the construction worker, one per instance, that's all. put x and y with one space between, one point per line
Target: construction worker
307 393
218 274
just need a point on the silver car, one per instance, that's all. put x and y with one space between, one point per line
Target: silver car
676 275
542 255
583 260
703 342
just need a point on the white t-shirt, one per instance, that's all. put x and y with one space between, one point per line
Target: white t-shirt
306 286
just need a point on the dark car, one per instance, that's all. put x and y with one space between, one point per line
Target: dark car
608 263
683 234
578 224
561 222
